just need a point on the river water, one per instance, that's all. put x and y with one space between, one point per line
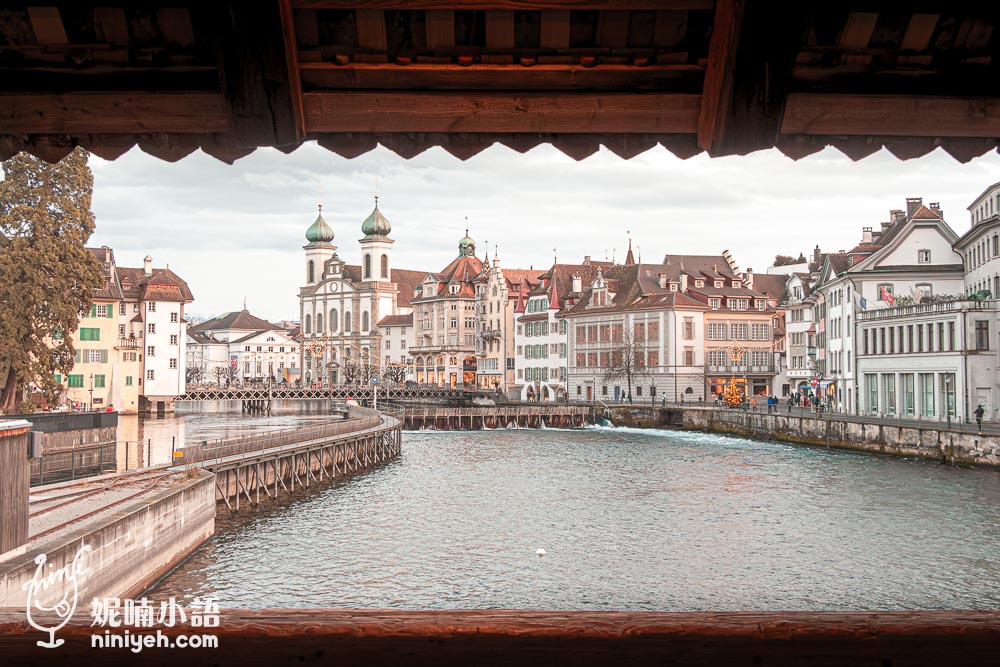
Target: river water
629 520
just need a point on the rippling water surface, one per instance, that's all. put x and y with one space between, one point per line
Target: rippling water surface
630 520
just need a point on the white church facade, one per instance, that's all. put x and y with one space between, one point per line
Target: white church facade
341 305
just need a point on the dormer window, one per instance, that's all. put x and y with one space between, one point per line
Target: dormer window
761 304
673 287
699 283
736 284
453 289
715 302
719 284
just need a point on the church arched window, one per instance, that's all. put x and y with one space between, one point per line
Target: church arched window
333 320
364 321
347 321
385 266
311 272
308 323
368 266
319 323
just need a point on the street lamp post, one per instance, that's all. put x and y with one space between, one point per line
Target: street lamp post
91 392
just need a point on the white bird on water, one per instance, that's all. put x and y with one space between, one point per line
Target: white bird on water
540 552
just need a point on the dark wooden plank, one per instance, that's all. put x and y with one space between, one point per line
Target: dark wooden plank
259 71
47 25
750 61
554 31
858 30
919 32
112 24
499 29
500 112
440 28
612 29
371 29
384 76
175 24
509 5
891 115
520 637
119 112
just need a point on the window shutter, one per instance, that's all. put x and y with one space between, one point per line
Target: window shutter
104 356
111 311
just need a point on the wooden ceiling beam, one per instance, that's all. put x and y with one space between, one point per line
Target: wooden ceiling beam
384 76
258 70
113 113
750 60
510 5
891 115
652 113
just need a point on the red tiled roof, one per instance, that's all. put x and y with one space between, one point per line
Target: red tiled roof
406 281
238 319
135 283
396 321
924 213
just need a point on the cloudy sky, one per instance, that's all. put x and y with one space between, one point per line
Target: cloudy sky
236 232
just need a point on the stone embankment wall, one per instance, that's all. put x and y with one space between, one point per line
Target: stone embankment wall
128 550
927 442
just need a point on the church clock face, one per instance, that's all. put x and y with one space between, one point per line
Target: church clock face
334 287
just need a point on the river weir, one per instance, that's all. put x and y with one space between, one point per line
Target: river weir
631 520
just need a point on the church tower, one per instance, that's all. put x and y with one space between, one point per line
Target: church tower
376 248
319 249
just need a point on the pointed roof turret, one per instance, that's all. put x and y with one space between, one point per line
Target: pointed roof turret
519 305
319 231
554 296
376 224
630 258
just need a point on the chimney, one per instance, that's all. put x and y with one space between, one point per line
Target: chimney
816 254
578 282
684 282
748 278
936 207
662 280
866 234
912 204
715 269
147 265
586 262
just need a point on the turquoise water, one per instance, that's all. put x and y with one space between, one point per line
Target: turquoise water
629 520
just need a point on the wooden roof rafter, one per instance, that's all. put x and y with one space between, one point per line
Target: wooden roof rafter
726 76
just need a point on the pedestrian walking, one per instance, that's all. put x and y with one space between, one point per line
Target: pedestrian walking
791 400
979 416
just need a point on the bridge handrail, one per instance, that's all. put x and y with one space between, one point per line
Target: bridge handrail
361 419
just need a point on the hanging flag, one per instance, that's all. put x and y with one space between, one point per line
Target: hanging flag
888 297
918 294
864 303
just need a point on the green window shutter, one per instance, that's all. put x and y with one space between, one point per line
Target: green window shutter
98 382
93 310
77 357
128 380
76 381
111 311
104 356
57 377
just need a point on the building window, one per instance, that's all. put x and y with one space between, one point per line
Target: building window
121 308
121 330
150 351
99 382
151 306
90 334
151 374
884 291
923 256
982 334
173 363
128 380
75 381
151 328
385 266
173 317
310 272
714 302
368 266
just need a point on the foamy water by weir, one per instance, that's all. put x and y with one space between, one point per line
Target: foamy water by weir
628 519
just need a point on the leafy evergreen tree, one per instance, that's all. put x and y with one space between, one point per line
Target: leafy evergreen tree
47 276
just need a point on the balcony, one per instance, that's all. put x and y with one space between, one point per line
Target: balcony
129 343
959 305
490 333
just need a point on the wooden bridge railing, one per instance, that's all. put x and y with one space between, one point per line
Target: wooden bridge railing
359 419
